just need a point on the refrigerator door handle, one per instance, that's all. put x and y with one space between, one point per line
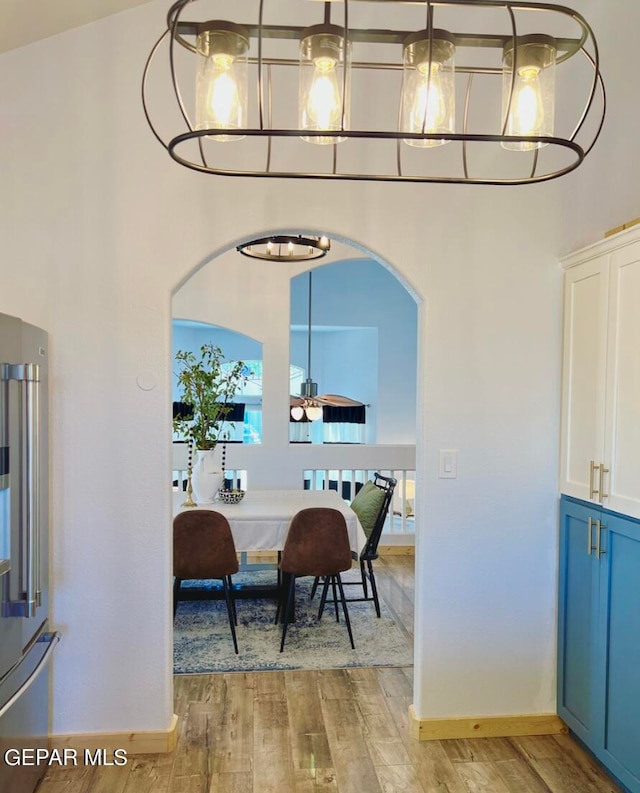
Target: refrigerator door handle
28 375
4 426
31 440
5 564
51 639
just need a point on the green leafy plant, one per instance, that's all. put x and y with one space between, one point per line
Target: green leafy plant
208 386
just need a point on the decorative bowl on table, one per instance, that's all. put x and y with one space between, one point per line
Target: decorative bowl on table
230 496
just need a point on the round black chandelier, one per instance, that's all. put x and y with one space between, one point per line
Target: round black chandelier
452 102
286 248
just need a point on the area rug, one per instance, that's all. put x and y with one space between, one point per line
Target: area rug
202 637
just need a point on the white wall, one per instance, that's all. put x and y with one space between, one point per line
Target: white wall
361 293
236 347
373 352
99 226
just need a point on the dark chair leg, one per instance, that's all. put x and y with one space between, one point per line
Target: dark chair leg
227 597
323 599
233 600
374 588
176 594
364 580
287 613
314 588
284 580
346 613
335 598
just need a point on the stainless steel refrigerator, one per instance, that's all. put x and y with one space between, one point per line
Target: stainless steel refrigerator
26 643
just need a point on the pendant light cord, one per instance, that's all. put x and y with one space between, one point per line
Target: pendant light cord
309 334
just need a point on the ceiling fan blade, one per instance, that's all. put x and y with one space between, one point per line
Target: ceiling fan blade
336 400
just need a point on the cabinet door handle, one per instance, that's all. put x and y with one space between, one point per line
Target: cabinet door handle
601 491
599 549
592 470
589 535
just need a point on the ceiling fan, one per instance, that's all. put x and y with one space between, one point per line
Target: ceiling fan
309 404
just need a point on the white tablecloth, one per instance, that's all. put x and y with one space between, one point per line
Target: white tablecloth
260 522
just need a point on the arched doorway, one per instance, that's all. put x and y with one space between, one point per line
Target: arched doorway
254 298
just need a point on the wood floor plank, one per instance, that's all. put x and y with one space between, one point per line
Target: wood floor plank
270 685
241 782
317 780
234 728
381 734
480 750
481 777
383 741
394 682
364 682
355 772
587 764
538 747
309 743
434 770
111 779
562 775
78 779
196 744
334 684
273 766
150 773
195 783
519 777
398 778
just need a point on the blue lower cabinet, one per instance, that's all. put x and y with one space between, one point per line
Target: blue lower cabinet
620 624
599 634
577 621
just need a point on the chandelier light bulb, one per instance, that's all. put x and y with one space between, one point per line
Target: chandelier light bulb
528 111
429 108
428 87
528 92
221 80
297 412
323 104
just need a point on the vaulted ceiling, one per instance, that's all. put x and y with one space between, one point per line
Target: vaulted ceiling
25 21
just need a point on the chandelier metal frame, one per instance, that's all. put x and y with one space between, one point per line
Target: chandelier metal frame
180 33
297 248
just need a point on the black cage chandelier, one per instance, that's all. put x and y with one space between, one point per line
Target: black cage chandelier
493 97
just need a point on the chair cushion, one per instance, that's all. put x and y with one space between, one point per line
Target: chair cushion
367 507
367 487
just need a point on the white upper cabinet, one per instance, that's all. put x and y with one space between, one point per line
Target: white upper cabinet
583 377
600 450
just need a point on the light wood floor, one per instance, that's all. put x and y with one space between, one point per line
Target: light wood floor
344 731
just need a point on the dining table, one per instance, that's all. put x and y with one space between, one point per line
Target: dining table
260 522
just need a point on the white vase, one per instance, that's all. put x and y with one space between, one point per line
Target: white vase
206 478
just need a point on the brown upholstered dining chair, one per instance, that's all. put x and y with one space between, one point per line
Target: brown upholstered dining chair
203 549
317 545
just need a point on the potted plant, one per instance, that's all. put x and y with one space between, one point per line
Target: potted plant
207 384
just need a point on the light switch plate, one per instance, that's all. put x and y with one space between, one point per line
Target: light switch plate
448 464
